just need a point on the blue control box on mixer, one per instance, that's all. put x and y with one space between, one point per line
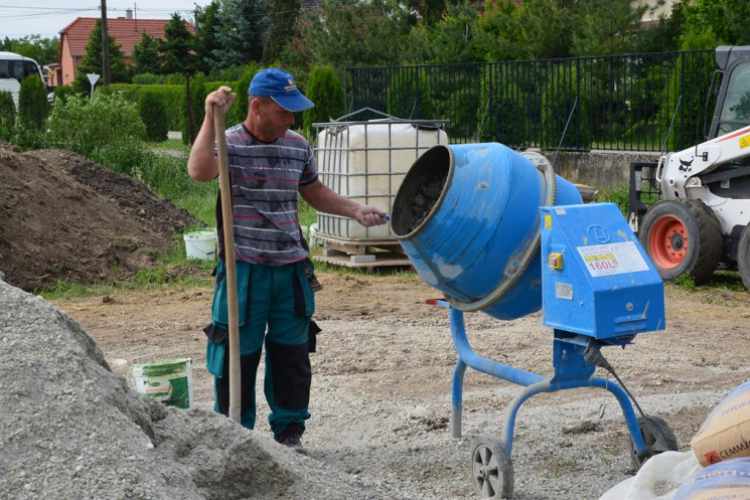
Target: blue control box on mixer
596 278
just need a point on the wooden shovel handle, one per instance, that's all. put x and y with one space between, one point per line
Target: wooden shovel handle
235 394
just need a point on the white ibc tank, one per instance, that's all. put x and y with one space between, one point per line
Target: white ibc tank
366 162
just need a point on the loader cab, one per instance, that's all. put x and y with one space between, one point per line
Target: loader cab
732 111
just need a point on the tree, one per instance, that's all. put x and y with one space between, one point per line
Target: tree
283 18
665 36
42 50
356 33
146 56
244 24
179 48
547 28
498 32
429 11
92 61
452 39
726 20
207 22
610 27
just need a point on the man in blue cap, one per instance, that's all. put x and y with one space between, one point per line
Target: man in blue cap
268 165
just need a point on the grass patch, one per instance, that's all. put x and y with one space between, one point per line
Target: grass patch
307 214
171 271
201 204
726 280
684 281
171 145
618 196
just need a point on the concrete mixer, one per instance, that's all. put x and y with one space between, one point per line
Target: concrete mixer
498 232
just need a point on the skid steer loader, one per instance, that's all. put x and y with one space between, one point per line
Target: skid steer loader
702 219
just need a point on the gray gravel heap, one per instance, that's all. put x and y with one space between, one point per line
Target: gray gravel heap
70 428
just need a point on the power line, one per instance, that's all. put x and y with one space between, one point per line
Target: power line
46 8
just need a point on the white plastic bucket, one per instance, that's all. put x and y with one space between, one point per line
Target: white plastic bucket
169 381
201 245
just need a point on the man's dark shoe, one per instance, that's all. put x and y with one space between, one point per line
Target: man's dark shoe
291 437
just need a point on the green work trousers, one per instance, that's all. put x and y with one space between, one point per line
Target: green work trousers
275 304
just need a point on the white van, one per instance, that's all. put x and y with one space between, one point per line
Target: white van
13 69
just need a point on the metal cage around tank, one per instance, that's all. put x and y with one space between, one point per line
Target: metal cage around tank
366 161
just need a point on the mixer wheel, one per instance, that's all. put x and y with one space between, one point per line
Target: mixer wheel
658 437
491 469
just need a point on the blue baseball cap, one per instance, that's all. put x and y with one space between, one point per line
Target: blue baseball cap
279 86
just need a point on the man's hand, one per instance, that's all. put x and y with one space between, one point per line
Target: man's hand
370 216
223 97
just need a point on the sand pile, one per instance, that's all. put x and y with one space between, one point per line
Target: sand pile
70 428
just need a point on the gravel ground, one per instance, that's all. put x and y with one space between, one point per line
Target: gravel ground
73 429
381 394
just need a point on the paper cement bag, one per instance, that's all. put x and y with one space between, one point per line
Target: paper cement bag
722 481
726 432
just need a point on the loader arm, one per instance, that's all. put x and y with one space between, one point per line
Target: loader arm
692 167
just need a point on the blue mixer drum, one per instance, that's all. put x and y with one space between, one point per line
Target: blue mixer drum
468 218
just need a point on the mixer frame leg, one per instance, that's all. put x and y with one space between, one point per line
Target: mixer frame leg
571 372
457 398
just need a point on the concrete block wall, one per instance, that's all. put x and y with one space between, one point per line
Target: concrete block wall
599 169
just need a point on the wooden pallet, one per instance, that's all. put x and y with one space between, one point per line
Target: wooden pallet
365 255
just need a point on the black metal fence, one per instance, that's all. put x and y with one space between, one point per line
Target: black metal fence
623 102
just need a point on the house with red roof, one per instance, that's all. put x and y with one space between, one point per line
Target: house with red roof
125 30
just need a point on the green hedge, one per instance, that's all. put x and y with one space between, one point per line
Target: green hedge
153 115
62 92
86 127
238 112
211 86
7 115
170 95
327 92
198 101
152 79
32 103
174 99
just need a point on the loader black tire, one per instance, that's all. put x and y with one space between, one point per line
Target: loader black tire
743 256
682 236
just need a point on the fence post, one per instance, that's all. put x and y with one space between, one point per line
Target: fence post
577 100
682 111
346 80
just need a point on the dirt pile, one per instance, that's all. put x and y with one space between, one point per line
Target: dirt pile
70 428
65 217
132 196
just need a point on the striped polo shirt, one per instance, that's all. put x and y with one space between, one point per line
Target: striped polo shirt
265 179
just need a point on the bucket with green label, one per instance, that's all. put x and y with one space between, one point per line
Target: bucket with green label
169 381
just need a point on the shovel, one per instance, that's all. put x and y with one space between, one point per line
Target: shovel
225 187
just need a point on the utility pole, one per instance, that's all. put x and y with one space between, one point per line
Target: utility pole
105 46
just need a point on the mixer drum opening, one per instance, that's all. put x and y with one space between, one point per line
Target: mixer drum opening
422 191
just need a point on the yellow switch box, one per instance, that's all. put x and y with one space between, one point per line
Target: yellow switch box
556 261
